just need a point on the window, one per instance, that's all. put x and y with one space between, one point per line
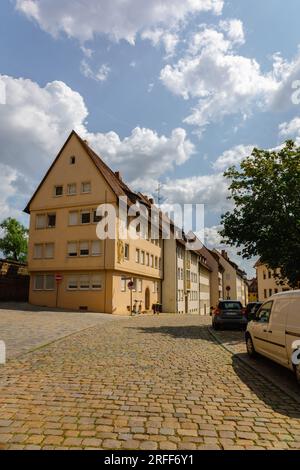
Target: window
159 263
73 218
96 282
270 274
126 251
72 189
38 251
178 273
72 160
72 283
49 282
156 262
155 287
270 292
147 259
142 257
86 187
123 284
58 191
97 218
140 285
265 275
263 315
39 282
276 291
84 249
84 283
85 217
137 256
96 248
72 249
40 221
265 293
51 219
152 261
49 250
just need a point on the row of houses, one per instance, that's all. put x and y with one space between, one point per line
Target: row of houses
71 267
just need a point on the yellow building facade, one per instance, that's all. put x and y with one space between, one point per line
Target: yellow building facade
70 267
267 283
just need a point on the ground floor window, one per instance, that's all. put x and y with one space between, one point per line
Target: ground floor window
85 282
44 282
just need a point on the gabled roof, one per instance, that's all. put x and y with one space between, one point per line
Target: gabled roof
115 183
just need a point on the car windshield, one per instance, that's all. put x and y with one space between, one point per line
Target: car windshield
230 306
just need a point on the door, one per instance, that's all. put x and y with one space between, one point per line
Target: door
260 328
276 331
147 299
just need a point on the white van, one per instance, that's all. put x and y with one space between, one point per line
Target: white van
276 329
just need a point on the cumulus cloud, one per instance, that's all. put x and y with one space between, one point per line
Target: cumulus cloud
84 19
223 81
290 130
144 151
232 157
35 121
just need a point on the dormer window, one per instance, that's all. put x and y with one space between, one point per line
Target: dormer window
72 160
58 191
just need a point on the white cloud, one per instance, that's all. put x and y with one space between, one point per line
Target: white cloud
290 130
224 82
101 75
211 190
158 36
117 19
214 240
143 152
35 121
232 157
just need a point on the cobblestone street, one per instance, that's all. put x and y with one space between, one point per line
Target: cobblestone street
142 383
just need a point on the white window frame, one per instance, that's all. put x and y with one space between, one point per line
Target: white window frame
68 251
52 251
34 281
55 188
72 213
82 247
45 282
82 213
99 250
82 187
43 217
100 278
76 282
41 246
81 276
70 185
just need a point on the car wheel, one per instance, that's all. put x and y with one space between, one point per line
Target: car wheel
297 373
250 346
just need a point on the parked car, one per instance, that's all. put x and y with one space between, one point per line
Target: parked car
275 330
229 313
251 310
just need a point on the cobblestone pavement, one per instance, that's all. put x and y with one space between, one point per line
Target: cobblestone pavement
24 327
282 377
142 383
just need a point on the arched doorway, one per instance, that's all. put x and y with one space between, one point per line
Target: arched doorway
147 299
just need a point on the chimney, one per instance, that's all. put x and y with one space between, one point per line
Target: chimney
118 175
224 254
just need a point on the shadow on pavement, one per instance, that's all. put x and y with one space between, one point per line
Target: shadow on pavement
267 391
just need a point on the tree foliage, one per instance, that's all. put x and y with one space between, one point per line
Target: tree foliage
265 221
14 240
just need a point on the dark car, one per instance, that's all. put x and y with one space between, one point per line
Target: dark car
230 314
251 310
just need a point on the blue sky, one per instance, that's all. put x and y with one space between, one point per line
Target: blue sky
167 91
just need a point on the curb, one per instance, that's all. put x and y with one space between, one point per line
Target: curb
287 392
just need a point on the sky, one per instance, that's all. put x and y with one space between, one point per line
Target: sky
166 91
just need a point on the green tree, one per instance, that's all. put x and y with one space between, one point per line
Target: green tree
14 240
265 221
